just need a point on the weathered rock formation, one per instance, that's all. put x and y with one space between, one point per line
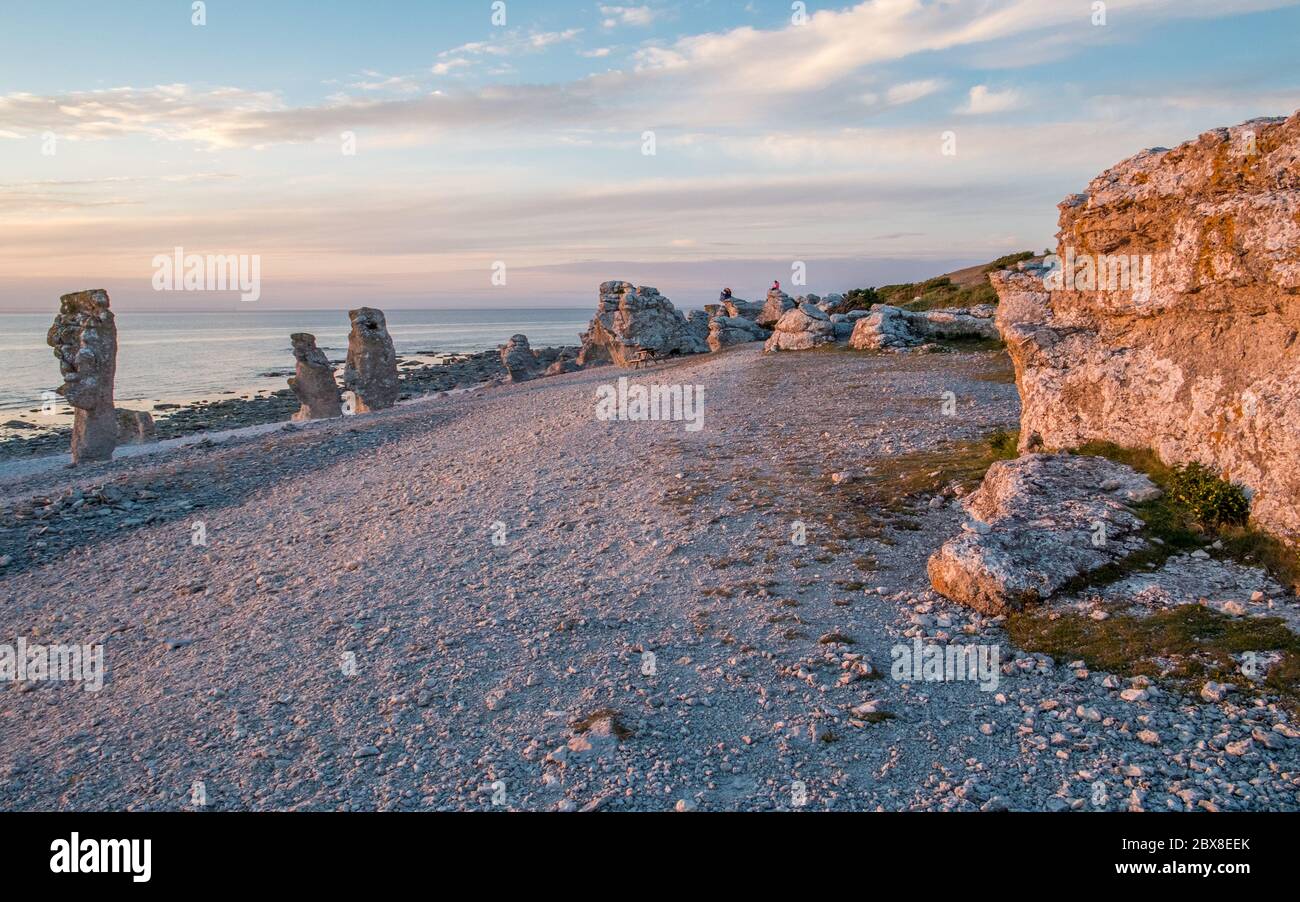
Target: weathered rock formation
776 305
725 331
519 360
631 318
371 369
313 380
562 365
800 329
738 307
1038 522
84 338
1173 319
888 328
135 427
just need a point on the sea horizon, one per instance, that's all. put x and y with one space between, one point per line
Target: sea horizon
162 356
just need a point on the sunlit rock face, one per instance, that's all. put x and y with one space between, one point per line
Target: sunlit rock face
1172 318
631 318
313 380
84 339
371 369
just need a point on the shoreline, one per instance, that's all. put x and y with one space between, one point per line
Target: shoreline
235 409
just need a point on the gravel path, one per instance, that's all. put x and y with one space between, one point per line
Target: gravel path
454 605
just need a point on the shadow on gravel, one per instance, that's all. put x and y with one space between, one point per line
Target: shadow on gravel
107 506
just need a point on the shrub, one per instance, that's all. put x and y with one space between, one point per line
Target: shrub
1209 500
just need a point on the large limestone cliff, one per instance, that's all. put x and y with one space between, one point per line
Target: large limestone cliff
1200 361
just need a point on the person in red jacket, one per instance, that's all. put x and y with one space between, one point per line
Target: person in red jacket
776 286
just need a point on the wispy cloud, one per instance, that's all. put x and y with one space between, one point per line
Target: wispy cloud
639 16
983 100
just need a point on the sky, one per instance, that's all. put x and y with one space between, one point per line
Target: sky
419 153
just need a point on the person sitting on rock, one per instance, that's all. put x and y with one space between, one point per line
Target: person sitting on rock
776 286
725 296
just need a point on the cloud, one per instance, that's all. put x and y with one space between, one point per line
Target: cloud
983 100
638 16
445 67
742 78
912 91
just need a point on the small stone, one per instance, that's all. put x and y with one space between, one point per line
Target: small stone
366 751
1215 692
1149 737
684 805
1134 695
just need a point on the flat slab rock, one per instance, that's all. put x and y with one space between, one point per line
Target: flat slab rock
1036 523
1231 588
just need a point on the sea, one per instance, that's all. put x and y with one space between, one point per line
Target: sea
182 357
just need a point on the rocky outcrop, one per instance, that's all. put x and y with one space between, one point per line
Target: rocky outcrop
84 338
313 380
887 328
725 331
776 305
371 369
738 307
631 318
1036 523
135 427
519 359
561 366
1170 318
800 329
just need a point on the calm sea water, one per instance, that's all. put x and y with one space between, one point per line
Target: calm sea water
177 356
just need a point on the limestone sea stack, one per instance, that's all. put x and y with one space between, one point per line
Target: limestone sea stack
519 359
313 380
631 318
1172 319
371 369
84 338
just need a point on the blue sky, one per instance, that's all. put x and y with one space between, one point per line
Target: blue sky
777 138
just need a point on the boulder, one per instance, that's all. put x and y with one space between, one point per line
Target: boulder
800 329
884 328
738 307
562 365
84 338
371 369
698 322
631 318
519 359
887 328
313 380
777 303
725 331
1036 523
1193 355
135 427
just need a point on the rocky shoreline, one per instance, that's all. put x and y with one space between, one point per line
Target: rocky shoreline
417 379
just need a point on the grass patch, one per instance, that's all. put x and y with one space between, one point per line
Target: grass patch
902 478
1186 645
